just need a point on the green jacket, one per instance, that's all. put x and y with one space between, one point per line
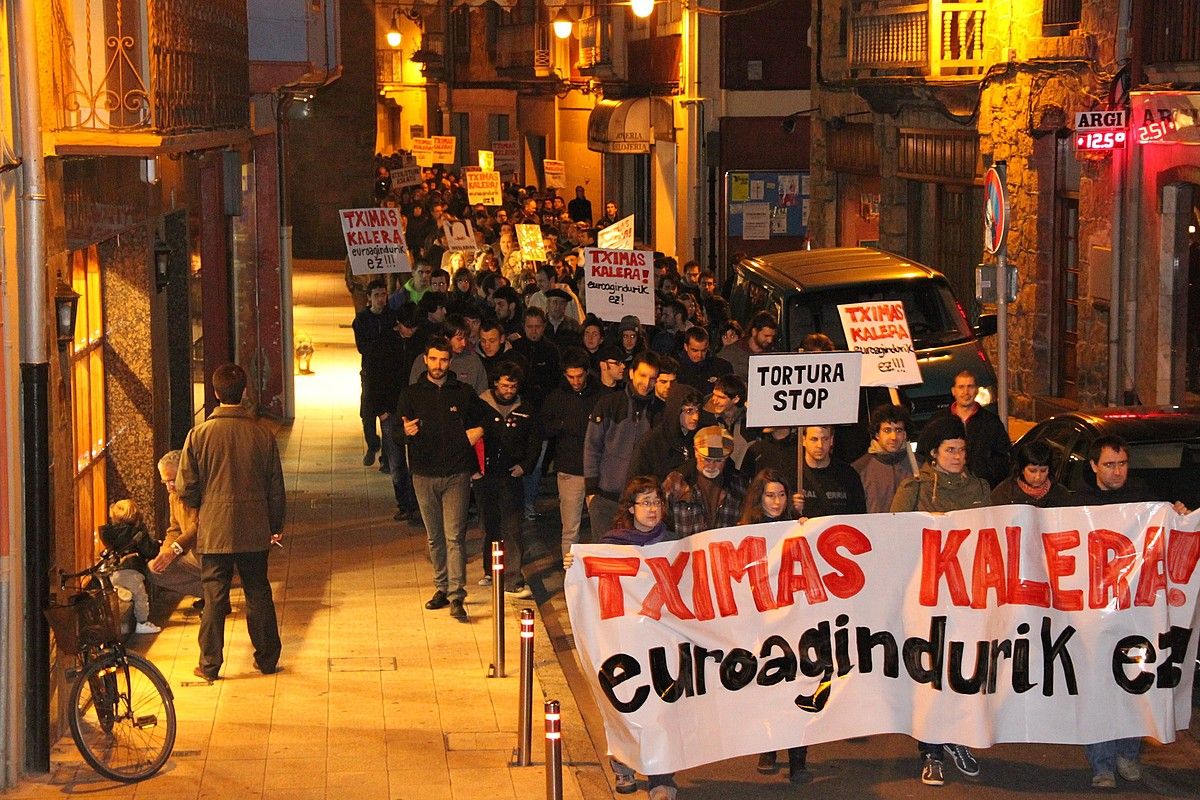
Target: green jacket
933 490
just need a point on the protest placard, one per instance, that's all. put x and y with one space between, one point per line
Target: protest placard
555 172
788 389
618 236
879 330
405 176
618 283
460 235
374 240
484 187
487 160
422 150
443 149
533 246
508 158
1003 624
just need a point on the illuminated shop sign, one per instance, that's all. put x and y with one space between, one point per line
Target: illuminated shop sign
1165 117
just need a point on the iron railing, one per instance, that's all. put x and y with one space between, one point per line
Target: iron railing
895 40
595 40
168 66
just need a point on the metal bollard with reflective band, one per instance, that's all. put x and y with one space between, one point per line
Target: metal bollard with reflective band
525 699
497 668
554 789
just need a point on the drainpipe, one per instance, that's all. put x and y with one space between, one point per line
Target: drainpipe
33 553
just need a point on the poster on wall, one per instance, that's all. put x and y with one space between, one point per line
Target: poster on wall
783 194
756 221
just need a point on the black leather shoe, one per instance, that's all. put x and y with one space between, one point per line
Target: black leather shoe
369 457
200 673
439 600
267 670
458 611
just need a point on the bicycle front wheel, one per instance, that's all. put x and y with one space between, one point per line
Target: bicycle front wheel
122 717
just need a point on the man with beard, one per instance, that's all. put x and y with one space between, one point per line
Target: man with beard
697 367
507 305
760 340
706 492
830 486
441 420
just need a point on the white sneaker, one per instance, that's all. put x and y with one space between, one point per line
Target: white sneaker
146 627
522 592
486 580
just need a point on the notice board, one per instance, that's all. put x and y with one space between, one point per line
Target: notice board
766 204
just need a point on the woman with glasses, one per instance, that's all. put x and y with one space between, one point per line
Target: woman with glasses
768 499
640 520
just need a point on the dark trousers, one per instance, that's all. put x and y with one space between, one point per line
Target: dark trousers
501 503
397 460
216 574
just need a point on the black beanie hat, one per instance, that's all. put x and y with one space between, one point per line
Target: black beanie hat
939 430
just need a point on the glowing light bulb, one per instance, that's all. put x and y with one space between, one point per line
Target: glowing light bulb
642 8
393 38
562 24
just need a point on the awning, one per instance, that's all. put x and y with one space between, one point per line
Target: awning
630 126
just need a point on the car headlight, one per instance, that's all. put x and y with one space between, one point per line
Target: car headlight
985 395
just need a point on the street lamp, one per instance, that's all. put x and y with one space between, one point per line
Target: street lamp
393 36
562 23
642 8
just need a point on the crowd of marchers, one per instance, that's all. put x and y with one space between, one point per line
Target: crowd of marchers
484 374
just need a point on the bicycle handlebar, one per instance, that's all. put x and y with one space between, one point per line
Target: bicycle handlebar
105 557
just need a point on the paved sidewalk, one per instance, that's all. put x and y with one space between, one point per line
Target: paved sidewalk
378 698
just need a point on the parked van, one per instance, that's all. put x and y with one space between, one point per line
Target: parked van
803 289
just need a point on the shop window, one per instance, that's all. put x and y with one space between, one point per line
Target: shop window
88 409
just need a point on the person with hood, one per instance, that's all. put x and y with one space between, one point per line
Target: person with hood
631 339
640 520
618 420
564 419
1030 482
668 445
706 492
888 461
511 446
943 484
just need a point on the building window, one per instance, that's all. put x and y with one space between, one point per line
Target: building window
1060 17
88 409
460 127
1064 339
498 127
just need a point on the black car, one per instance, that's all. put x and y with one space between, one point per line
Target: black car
1164 447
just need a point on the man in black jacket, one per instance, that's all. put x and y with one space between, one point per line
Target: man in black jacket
376 340
668 445
511 445
541 361
697 367
830 486
441 421
564 419
989 450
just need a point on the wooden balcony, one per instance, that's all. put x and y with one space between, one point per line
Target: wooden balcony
1171 35
595 41
523 51
935 40
141 77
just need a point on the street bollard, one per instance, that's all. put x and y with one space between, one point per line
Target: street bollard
525 699
497 668
554 789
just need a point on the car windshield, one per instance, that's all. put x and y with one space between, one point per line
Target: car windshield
933 316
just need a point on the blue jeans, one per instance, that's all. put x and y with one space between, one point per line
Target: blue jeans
1103 755
397 461
443 502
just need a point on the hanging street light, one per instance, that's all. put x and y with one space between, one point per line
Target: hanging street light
562 24
642 8
393 36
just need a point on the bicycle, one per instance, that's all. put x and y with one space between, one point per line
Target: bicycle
122 710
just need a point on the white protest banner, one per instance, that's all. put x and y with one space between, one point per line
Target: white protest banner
422 150
460 235
487 160
405 176
789 389
484 187
374 240
1002 624
618 236
533 246
443 149
619 282
508 157
555 172
879 330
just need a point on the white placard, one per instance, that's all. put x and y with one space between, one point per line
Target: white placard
484 187
1003 624
508 157
618 283
618 236
460 235
422 150
533 246
790 389
374 240
443 149
756 221
555 172
879 330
